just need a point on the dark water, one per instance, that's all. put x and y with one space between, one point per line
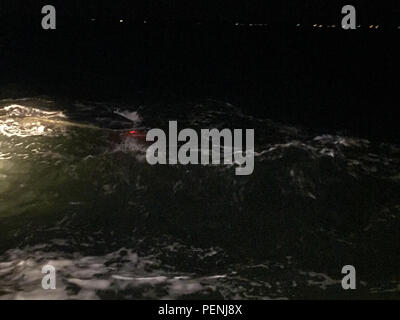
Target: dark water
76 192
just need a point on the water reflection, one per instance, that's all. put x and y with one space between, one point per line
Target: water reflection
75 191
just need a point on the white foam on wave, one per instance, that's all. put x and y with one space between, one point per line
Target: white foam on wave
11 128
23 121
23 111
130 115
119 271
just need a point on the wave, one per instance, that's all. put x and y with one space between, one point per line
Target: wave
75 188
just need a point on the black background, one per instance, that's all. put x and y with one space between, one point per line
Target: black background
326 79
251 309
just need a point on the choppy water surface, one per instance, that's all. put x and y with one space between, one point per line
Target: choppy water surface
76 192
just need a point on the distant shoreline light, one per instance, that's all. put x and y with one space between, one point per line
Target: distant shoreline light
239 24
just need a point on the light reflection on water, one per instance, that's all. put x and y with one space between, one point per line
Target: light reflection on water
76 193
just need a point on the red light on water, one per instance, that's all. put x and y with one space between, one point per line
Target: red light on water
136 133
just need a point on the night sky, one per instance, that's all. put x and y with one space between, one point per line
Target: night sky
219 10
294 68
